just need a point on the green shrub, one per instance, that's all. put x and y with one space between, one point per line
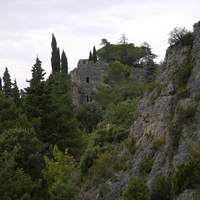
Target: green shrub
183 92
61 190
161 189
90 155
136 190
187 176
150 86
87 159
158 143
121 113
131 147
102 167
197 97
187 39
186 71
103 191
183 76
146 165
155 94
195 25
60 175
180 35
185 114
111 134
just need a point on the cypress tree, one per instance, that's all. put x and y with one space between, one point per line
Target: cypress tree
55 56
64 63
90 56
7 83
0 84
94 55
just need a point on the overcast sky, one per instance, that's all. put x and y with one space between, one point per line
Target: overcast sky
26 28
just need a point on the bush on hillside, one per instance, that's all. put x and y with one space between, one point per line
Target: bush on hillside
136 190
180 35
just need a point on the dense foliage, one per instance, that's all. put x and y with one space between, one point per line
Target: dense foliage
59 174
48 146
136 190
21 162
32 122
187 176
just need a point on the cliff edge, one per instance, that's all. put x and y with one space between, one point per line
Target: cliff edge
165 133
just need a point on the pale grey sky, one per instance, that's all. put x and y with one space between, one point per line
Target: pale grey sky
26 28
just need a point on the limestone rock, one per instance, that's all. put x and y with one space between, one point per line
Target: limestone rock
166 113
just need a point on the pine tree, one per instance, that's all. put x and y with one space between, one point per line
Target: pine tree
149 64
90 56
37 73
55 56
123 39
35 100
15 93
94 55
61 127
7 83
21 162
64 63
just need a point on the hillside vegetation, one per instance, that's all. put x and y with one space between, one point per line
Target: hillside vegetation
137 141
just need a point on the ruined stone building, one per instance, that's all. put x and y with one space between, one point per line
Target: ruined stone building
84 79
88 74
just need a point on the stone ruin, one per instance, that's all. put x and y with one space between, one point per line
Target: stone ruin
85 78
88 74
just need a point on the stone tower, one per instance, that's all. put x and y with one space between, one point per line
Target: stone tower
84 79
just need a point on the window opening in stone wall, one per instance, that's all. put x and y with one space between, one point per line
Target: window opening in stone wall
87 98
87 80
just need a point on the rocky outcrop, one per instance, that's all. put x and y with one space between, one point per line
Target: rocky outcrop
166 124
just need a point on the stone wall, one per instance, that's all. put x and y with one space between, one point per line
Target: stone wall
85 77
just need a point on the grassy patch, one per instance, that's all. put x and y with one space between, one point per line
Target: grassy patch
146 165
158 143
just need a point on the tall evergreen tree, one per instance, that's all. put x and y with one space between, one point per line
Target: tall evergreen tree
123 39
55 56
148 62
64 126
15 93
7 83
36 99
64 63
37 73
0 84
94 55
90 56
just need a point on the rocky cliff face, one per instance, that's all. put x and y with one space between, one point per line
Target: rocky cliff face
166 125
